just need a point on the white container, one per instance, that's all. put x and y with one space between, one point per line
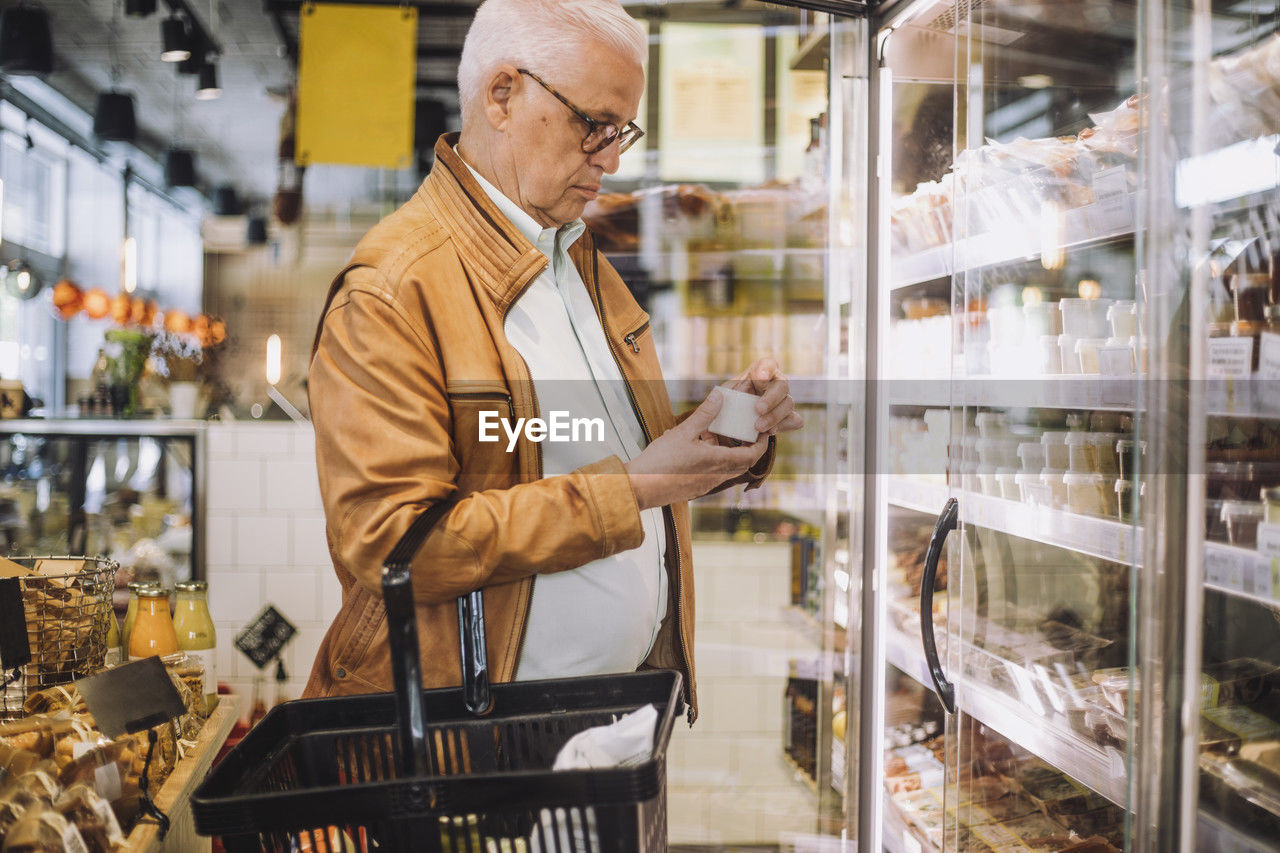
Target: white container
1007 325
1087 353
939 422
1053 480
1032 456
1067 353
1123 317
1085 493
987 482
1055 450
1042 318
998 452
1105 458
1047 357
737 416
1032 490
1007 479
991 424
1126 343
1084 318
1080 453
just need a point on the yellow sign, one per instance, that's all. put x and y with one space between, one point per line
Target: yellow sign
357 72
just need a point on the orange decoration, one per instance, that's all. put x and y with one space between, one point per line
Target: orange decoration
120 309
137 311
149 311
217 332
97 304
67 298
200 328
177 322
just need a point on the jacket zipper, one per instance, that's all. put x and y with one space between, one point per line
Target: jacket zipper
667 516
489 395
537 458
631 338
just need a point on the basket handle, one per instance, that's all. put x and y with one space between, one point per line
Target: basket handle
402 635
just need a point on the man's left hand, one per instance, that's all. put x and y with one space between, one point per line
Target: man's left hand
776 409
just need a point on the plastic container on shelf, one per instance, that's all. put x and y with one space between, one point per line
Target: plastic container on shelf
1085 493
1241 519
1271 498
1124 499
1105 455
1067 353
1081 456
1042 319
1084 318
920 307
998 452
1215 529
1124 343
987 482
1046 356
969 481
1031 489
1128 452
1056 454
1123 317
991 424
1008 325
1032 456
1087 353
1007 480
1242 481
1054 480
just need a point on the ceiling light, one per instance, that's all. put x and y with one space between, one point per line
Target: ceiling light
180 167
20 280
26 47
176 44
139 8
207 89
113 118
225 201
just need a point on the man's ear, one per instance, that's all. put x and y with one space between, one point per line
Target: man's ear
502 86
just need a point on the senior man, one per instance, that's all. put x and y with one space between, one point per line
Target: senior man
482 300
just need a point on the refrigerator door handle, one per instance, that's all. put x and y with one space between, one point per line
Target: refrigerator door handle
946 523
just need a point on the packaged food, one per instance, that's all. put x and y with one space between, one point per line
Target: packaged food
1007 480
1104 451
1085 493
1038 829
1271 499
1087 354
43 830
1241 519
1096 822
1081 452
1061 795
1054 480
92 817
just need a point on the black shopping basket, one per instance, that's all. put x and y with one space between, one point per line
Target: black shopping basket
457 770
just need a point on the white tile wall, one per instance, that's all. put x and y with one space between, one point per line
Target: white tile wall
266 545
727 780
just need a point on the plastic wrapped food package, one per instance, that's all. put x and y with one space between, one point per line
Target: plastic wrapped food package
1241 519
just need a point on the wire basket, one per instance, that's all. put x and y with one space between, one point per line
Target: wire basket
67 628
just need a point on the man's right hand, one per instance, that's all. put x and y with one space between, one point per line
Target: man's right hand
686 461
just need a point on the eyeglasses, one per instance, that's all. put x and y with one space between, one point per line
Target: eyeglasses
600 134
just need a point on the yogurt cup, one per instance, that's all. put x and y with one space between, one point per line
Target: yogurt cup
1087 353
1032 456
1055 450
737 416
1123 317
1085 494
1052 479
1080 453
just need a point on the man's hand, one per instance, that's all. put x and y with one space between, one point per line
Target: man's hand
686 461
776 408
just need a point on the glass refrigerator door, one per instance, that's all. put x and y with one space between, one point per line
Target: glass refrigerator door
1008 290
1216 244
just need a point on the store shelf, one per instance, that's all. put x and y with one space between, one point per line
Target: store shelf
1243 398
898 836
1085 534
999 392
1046 735
1081 226
1243 573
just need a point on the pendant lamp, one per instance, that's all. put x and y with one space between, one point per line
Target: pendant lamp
26 47
113 118
175 43
139 8
179 167
207 88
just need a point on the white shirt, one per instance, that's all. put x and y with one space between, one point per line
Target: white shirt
601 617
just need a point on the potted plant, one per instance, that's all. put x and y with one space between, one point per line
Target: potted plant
127 350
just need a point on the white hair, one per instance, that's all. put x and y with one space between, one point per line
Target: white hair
540 35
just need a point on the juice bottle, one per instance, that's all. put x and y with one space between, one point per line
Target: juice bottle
194 628
152 632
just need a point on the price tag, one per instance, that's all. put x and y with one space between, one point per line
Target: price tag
131 698
1269 356
1217 567
1230 358
1110 212
263 640
1269 540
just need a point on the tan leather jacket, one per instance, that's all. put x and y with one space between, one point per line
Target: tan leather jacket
408 353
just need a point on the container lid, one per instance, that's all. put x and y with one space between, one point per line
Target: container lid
1051 474
1129 443
153 591
1078 438
1029 447
1242 509
1123 485
1027 478
1085 344
1082 478
135 586
191 586
1107 438
1122 305
1054 438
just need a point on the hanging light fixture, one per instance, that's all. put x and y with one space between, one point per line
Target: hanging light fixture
113 118
175 43
208 89
179 167
26 47
139 8
225 201
257 231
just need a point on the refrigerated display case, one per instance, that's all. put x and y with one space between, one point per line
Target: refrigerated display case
1073 220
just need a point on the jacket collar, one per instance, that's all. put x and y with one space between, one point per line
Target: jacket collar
491 246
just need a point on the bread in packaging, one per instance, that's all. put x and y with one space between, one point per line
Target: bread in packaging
93 817
43 831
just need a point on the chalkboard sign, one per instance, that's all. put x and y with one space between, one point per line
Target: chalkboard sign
14 647
262 641
132 697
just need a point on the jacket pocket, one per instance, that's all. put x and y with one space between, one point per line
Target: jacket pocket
356 633
481 411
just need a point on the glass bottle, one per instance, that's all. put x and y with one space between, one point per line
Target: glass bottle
196 635
152 632
130 615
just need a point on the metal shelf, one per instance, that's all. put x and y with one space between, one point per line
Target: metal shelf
1047 736
1080 228
1085 534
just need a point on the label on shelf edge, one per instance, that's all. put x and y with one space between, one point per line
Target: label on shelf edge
1269 356
1230 358
1110 212
1269 540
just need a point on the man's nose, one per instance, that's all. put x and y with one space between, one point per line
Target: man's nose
607 158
